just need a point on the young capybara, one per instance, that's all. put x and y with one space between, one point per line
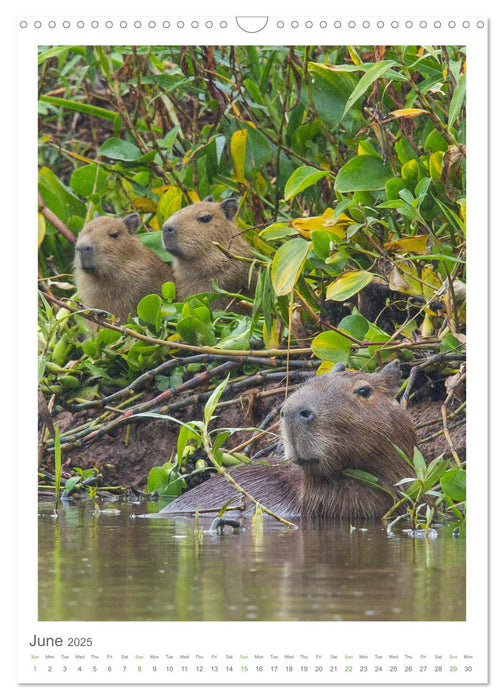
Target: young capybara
190 235
337 421
113 269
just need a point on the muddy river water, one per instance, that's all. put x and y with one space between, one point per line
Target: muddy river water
117 566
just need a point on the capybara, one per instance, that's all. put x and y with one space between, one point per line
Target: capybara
190 234
334 422
113 269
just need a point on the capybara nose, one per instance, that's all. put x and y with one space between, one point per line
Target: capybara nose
306 415
83 248
168 230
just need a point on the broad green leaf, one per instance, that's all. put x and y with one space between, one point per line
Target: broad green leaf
355 325
453 483
258 153
372 74
149 310
362 173
107 336
88 179
168 291
348 284
301 178
119 149
287 264
195 331
332 346
213 400
59 198
330 90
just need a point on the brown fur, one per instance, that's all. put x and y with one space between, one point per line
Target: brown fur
189 235
337 421
113 269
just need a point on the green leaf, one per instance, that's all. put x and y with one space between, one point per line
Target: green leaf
348 284
275 231
457 100
118 149
41 368
195 331
301 178
168 291
165 481
330 91
287 264
362 173
362 476
83 108
355 325
372 74
153 240
149 310
213 400
58 198
332 346
107 336
453 483
88 179
186 435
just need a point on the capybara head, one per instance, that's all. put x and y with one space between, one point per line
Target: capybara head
190 232
113 269
105 243
346 419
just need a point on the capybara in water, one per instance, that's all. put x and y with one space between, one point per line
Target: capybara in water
337 421
189 235
113 269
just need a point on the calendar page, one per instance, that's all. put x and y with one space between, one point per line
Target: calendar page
259 238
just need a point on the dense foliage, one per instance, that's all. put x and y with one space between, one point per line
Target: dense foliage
349 164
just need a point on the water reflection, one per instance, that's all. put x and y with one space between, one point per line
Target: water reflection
118 567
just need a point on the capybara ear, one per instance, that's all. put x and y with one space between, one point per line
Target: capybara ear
132 222
230 207
208 199
338 367
390 376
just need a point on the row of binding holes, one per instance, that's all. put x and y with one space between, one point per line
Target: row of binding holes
380 24
94 24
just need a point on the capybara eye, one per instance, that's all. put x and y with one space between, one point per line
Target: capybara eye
114 234
364 391
205 219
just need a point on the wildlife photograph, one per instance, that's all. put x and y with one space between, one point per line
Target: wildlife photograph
252 333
